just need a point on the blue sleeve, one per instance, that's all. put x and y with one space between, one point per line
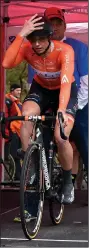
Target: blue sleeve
82 60
31 74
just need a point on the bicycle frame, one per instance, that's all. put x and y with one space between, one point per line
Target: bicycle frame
43 160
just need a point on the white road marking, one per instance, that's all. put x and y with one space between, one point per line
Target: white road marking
46 240
77 222
9 210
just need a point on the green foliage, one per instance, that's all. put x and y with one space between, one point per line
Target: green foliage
19 75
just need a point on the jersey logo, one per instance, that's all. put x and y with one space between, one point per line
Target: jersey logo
65 79
12 38
47 75
59 49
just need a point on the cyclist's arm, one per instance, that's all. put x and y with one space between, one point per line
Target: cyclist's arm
15 54
67 70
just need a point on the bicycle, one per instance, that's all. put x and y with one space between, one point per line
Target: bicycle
82 177
8 161
35 160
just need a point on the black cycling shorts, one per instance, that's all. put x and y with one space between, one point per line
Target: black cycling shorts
44 97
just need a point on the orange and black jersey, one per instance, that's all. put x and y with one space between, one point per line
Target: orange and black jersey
53 71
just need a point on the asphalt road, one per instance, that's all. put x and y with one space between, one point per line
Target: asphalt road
72 231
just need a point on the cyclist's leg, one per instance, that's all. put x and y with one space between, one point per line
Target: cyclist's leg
28 108
65 151
65 154
36 101
31 106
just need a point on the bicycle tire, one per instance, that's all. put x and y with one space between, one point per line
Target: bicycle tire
11 166
56 209
30 234
56 219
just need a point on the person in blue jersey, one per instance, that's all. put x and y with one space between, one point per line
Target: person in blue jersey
80 131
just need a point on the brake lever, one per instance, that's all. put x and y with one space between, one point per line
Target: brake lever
2 117
61 120
2 128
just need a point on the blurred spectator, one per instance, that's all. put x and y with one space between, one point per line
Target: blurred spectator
13 107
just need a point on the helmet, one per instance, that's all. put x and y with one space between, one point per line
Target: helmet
45 32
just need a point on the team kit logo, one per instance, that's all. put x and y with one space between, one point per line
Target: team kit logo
64 79
12 38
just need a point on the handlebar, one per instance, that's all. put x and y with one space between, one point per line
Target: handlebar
3 126
34 118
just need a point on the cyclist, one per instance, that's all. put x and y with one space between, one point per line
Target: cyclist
80 131
53 63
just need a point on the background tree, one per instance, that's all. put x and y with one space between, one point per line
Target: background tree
19 75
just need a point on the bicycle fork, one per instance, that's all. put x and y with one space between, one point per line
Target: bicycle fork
45 169
43 160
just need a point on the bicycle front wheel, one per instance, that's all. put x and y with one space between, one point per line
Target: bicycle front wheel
31 192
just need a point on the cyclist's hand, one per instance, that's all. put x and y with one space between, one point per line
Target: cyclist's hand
65 117
31 25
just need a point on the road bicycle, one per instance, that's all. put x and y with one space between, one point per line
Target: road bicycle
40 175
8 161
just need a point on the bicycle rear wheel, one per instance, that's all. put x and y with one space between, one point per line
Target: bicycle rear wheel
10 163
56 209
56 212
31 191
